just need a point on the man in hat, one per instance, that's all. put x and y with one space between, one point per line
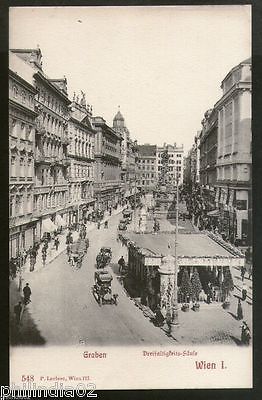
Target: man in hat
27 293
245 333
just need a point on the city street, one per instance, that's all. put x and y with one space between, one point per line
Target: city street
64 311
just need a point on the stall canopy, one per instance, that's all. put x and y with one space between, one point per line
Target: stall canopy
214 213
60 221
48 226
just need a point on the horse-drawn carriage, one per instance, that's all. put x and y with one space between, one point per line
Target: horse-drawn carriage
102 290
104 257
77 252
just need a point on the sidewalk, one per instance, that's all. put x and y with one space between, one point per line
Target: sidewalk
52 253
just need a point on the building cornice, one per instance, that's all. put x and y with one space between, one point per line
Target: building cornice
22 82
21 107
46 81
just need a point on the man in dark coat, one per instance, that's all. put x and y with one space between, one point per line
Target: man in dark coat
27 293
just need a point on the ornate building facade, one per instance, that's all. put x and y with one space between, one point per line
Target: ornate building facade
22 116
234 153
107 185
81 155
50 205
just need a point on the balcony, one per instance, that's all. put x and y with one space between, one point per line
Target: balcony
40 128
66 162
40 159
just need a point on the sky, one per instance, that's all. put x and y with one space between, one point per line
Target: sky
162 65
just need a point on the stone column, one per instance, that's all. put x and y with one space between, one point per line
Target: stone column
167 279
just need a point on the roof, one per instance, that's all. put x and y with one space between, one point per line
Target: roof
147 150
189 244
18 66
119 116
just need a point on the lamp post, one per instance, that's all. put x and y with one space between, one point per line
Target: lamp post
174 315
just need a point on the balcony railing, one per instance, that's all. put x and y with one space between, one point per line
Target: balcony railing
40 128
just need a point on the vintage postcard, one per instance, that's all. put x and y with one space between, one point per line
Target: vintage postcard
130 211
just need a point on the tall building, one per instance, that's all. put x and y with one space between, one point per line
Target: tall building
22 120
234 157
81 155
208 157
50 205
128 156
192 165
147 178
107 185
175 162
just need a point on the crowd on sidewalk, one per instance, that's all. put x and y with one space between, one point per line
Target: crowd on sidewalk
52 244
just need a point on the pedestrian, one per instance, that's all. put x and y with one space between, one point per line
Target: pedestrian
121 263
245 334
239 310
244 292
243 271
12 266
18 311
68 251
56 243
27 293
24 256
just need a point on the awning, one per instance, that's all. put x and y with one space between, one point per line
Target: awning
48 226
213 213
60 221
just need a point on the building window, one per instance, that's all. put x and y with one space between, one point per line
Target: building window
13 172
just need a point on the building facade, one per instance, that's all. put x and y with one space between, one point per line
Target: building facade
208 157
192 165
175 162
22 119
147 177
234 157
128 157
50 205
107 187
81 155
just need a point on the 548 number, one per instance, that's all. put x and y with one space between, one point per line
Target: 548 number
28 378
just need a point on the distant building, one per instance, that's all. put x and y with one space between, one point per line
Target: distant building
192 165
81 155
147 177
175 162
234 157
107 187
128 157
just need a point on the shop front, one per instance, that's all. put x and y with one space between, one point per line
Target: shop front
21 237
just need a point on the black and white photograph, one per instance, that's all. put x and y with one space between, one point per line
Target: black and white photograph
130 193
